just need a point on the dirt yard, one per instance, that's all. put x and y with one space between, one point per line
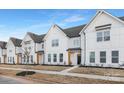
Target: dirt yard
99 71
55 79
37 67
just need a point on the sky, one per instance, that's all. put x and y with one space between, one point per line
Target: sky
17 22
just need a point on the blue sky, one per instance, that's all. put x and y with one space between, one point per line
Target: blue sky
15 23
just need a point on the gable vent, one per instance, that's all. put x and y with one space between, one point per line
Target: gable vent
103 27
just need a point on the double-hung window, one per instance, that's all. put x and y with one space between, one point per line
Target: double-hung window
49 57
115 56
106 35
55 43
99 36
61 57
54 57
92 57
103 57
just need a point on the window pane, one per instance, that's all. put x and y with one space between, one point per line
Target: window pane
61 57
103 57
114 53
49 57
54 57
106 35
99 36
92 57
115 56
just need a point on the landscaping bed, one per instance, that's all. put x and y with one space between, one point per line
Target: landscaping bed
99 71
55 79
37 67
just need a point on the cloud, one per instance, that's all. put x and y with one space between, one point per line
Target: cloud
74 18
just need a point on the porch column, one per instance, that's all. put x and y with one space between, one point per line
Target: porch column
69 57
37 58
17 59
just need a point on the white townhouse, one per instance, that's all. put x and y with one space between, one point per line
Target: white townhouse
62 46
102 41
3 52
13 51
33 43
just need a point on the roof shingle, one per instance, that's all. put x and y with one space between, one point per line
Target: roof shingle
3 44
36 38
16 41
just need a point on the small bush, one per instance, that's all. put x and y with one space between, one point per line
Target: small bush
24 73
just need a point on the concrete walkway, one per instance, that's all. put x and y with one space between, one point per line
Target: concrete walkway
69 69
119 79
13 80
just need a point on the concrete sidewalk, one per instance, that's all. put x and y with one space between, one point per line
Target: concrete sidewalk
119 79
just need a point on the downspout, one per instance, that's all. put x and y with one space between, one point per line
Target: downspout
84 48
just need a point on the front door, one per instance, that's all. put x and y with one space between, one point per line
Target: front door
78 59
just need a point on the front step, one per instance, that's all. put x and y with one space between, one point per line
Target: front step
67 70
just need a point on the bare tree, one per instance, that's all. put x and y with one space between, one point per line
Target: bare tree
26 55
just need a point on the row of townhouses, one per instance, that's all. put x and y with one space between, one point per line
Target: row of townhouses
97 43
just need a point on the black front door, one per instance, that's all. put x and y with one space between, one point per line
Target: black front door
78 59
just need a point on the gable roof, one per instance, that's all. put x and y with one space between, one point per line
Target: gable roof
16 41
3 44
36 38
120 19
73 31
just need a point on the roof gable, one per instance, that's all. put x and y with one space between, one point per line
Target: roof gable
3 44
16 41
36 38
99 12
51 29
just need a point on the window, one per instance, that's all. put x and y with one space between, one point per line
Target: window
92 57
55 42
49 57
103 57
13 59
99 36
24 58
8 59
54 57
106 35
10 50
76 42
115 56
42 46
61 57
28 59
31 58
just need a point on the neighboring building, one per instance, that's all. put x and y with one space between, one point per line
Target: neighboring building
14 51
102 41
62 46
3 52
34 43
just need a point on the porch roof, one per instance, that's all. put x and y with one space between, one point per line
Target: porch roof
73 49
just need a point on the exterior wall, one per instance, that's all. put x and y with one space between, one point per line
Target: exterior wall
11 53
32 45
115 43
62 48
71 42
1 56
39 46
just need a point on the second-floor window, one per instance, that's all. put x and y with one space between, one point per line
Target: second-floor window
42 46
76 42
55 43
103 36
